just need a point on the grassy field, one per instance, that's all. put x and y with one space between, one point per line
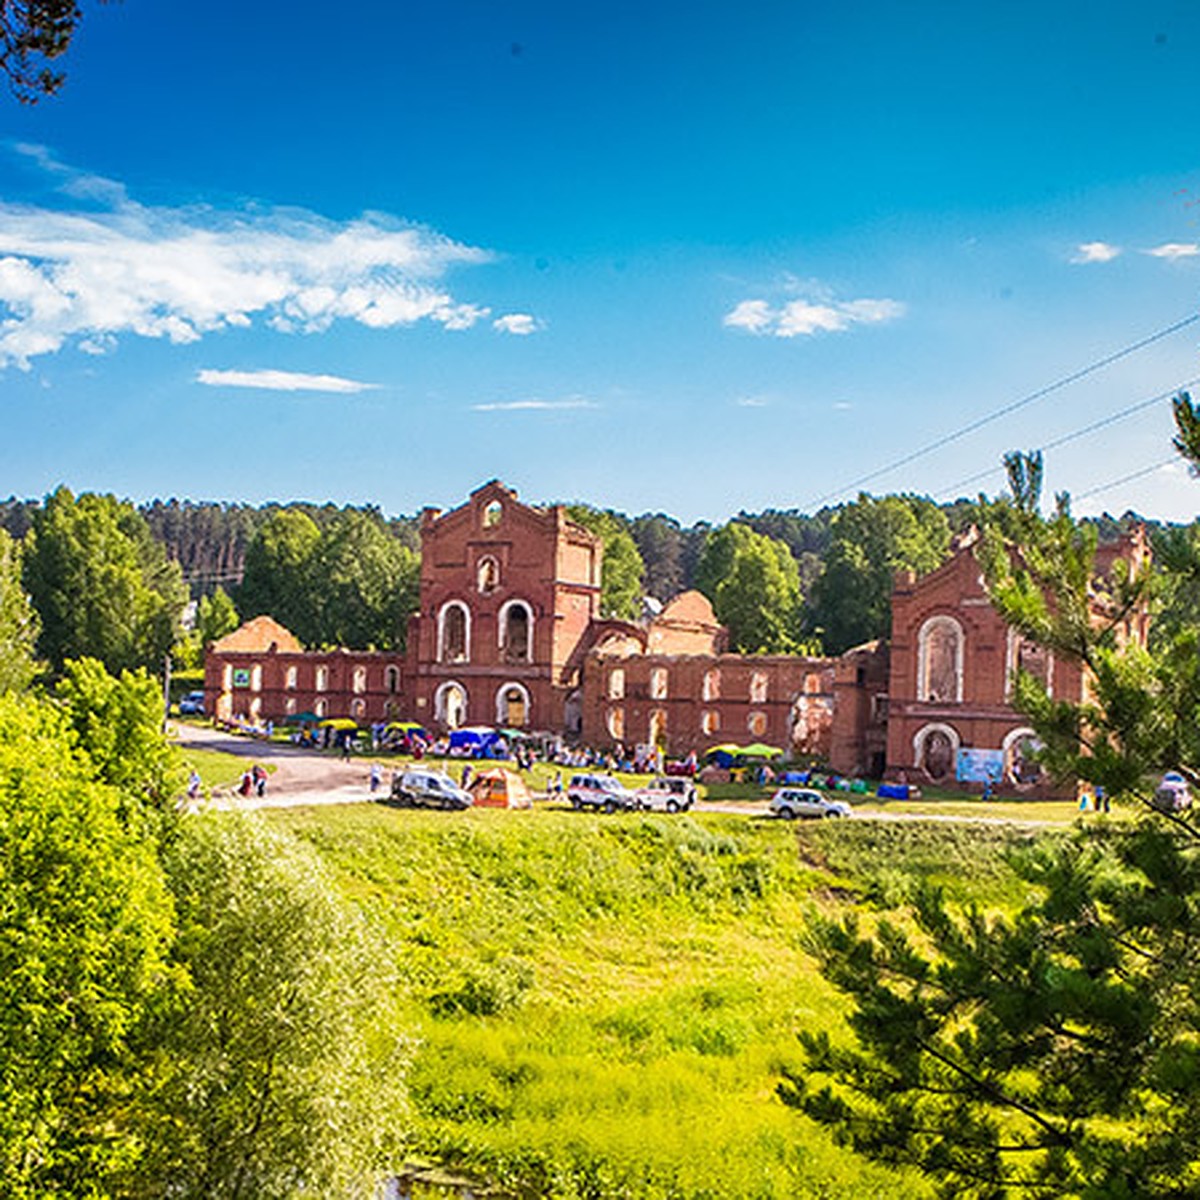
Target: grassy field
602 1006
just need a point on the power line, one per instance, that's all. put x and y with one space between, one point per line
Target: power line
1103 423
1012 407
1105 487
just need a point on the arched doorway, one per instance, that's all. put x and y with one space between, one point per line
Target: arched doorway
450 705
935 751
512 706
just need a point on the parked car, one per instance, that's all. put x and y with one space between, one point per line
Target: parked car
667 793
600 792
790 803
429 789
192 705
1172 794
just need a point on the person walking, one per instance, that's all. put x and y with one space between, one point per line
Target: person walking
376 778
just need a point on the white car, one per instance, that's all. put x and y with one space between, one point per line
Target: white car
667 793
599 791
791 803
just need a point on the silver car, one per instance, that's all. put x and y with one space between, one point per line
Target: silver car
429 789
791 803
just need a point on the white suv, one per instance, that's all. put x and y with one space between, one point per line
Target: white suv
672 793
790 803
429 789
599 791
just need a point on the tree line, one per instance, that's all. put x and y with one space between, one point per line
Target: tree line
111 580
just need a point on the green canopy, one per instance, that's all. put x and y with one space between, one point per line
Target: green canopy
304 718
760 750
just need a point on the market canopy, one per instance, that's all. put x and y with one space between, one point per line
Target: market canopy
760 750
304 718
341 724
409 727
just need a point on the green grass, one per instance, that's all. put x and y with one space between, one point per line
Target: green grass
603 1005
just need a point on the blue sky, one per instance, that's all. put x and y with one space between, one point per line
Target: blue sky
681 257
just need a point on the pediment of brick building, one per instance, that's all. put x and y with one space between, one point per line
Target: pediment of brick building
260 635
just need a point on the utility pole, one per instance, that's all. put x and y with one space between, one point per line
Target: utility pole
166 689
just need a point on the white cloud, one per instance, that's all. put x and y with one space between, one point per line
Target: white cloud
518 323
1175 250
114 267
282 381
1095 252
532 405
752 402
808 317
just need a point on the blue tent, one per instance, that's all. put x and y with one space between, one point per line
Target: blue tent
476 741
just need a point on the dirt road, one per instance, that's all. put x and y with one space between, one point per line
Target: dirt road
300 777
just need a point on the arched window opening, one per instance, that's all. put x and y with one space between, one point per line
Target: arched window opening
358 709
658 683
391 680
488 575
940 661
658 727
1027 656
320 708
710 721
711 688
256 678
756 723
290 705
290 682
322 679
616 724
454 633
492 514
360 679
616 683
758 687
516 626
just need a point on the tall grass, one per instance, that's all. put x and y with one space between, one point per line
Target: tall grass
603 1005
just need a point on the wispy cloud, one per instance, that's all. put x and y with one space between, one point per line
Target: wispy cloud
805 317
1095 252
752 402
109 267
1175 250
282 381
521 324
533 405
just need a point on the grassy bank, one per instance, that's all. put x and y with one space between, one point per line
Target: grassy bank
603 1006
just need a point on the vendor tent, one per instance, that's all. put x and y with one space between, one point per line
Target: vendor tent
499 788
759 750
341 724
475 740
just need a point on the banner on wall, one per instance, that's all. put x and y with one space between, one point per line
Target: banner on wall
978 766
241 677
